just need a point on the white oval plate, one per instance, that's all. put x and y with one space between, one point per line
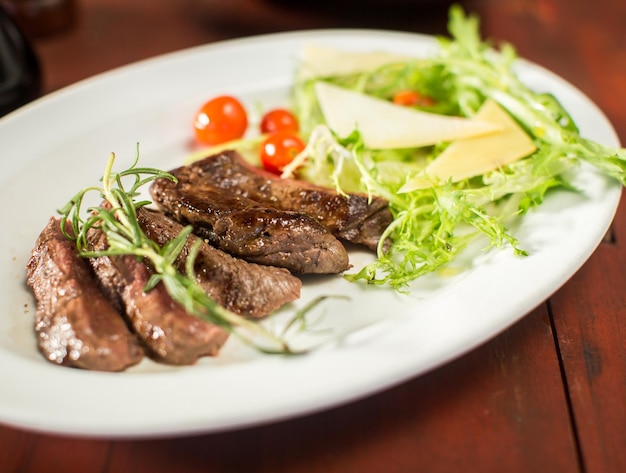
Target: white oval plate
59 144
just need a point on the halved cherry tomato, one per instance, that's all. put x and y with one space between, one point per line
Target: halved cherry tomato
279 149
219 120
411 97
279 119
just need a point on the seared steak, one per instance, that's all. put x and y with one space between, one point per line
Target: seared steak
75 323
352 217
252 231
169 333
247 289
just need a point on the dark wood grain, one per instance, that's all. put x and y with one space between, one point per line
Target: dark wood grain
59 454
589 315
548 394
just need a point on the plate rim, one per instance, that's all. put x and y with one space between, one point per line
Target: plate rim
24 420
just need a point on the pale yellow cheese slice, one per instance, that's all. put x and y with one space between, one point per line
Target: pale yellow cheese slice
384 125
319 61
475 156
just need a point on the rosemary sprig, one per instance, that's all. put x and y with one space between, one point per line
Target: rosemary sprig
117 218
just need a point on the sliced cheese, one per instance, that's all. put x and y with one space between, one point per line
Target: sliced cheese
475 156
384 125
318 61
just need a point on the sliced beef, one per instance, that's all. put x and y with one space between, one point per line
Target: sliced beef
353 217
252 231
75 323
247 289
169 333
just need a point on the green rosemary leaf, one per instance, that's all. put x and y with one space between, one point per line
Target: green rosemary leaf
117 218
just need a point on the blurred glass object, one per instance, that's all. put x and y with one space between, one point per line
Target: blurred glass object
20 71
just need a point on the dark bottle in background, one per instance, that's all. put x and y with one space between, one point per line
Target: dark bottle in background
20 71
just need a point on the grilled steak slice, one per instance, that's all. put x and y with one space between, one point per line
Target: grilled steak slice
352 217
247 289
75 323
254 232
169 333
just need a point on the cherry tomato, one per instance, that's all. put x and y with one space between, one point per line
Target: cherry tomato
411 97
279 119
219 120
279 149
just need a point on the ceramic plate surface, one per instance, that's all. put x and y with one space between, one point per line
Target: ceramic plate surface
376 339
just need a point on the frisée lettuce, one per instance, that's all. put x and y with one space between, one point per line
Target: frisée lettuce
433 223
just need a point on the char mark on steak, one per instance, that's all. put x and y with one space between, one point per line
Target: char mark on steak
353 217
245 288
252 231
169 333
75 323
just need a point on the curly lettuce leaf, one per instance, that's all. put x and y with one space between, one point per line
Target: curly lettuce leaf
431 226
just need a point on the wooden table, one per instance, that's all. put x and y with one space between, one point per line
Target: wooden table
547 395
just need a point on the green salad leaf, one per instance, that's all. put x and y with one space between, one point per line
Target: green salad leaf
432 225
